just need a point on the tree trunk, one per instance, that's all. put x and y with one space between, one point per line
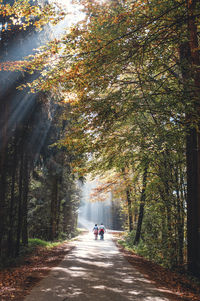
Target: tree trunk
54 196
3 170
192 201
193 150
25 201
66 212
12 200
141 210
19 222
130 216
180 220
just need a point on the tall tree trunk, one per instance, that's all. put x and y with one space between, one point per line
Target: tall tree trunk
12 200
19 221
180 220
54 196
3 186
129 202
25 201
130 215
3 169
66 212
168 203
141 210
193 150
58 215
192 201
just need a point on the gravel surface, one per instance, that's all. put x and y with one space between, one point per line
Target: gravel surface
95 270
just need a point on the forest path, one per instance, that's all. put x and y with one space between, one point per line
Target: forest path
95 270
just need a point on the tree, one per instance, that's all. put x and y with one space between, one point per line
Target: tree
193 138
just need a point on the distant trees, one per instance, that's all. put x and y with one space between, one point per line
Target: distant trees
54 197
16 154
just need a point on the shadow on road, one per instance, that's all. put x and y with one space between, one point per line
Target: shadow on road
95 270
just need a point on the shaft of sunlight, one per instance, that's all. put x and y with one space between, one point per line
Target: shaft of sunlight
91 213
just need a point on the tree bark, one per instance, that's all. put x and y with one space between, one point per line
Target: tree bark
192 201
19 221
193 150
12 200
180 220
54 196
130 215
3 168
25 201
141 210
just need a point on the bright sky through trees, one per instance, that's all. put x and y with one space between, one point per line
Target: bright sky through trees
74 15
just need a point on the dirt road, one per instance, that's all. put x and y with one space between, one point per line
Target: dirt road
95 270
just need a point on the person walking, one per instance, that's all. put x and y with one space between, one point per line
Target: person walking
95 231
102 230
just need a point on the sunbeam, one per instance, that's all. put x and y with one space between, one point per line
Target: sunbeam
39 134
22 104
91 213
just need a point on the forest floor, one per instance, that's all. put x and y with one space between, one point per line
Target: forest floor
186 288
17 282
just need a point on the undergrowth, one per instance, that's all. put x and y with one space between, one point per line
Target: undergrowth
148 251
153 255
33 245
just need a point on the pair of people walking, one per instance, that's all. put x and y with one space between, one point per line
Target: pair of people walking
99 230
